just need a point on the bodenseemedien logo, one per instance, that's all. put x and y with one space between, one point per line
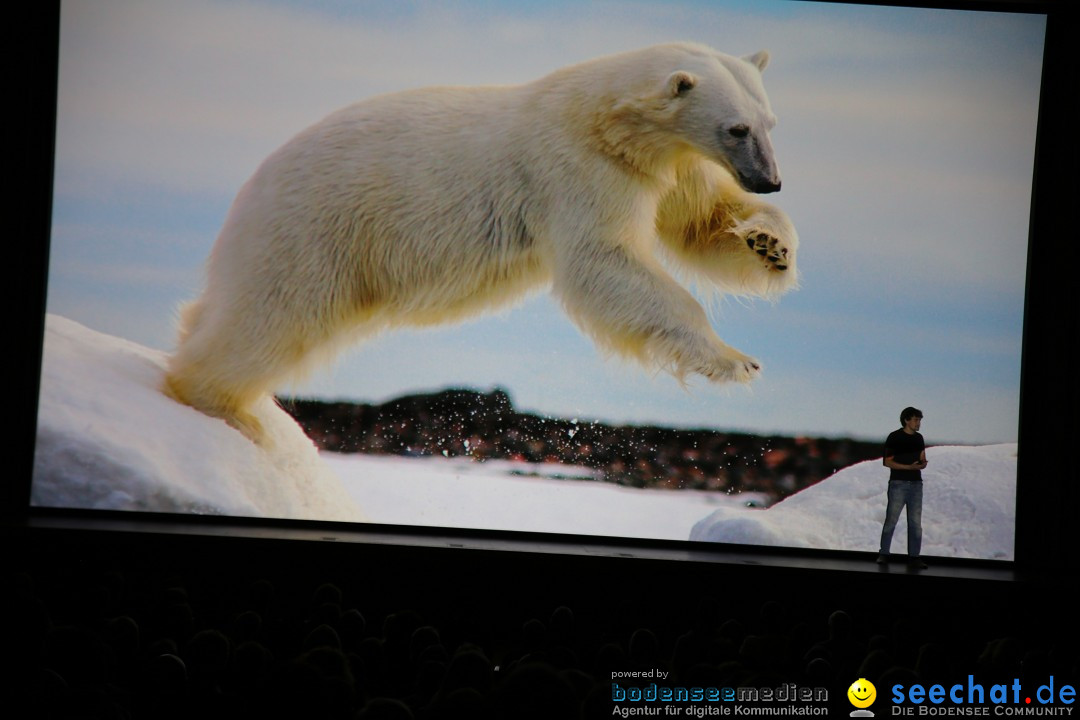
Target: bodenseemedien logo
862 694
659 698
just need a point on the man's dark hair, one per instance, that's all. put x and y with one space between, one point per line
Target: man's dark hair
908 413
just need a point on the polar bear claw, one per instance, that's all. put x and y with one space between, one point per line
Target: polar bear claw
770 248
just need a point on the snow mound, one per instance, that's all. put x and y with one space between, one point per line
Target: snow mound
969 509
108 439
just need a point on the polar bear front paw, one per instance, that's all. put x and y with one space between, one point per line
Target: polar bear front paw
733 366
725 365
773 250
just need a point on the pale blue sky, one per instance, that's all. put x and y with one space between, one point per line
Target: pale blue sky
906 140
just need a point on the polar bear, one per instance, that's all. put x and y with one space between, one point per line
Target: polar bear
427 206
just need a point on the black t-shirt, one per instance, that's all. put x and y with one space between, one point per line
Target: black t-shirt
904 449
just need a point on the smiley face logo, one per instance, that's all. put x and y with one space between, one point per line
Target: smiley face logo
862 693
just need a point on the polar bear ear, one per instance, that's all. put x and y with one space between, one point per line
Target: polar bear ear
759 59
680 82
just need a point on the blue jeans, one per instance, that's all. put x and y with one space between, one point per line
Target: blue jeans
904 493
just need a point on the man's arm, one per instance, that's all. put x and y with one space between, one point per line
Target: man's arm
890 462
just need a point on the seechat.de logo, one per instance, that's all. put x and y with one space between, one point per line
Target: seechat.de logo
973 698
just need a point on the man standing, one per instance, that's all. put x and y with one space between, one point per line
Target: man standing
905 456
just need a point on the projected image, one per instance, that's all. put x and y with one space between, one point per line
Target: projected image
660 270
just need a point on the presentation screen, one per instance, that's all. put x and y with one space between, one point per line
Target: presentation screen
654 270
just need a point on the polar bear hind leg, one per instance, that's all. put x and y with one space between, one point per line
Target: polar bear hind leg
222 368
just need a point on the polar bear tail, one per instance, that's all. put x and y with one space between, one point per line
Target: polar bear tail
190 313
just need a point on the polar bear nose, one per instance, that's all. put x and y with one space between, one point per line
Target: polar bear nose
764 186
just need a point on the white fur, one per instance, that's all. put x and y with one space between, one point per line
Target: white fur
427 206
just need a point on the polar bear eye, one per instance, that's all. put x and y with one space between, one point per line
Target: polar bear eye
739 131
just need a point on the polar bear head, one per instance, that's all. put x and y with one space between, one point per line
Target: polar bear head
693 97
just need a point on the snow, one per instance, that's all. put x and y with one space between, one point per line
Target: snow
506 495
969 509
108 439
